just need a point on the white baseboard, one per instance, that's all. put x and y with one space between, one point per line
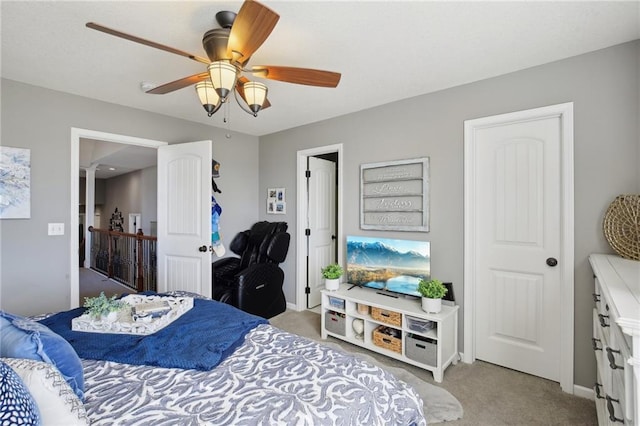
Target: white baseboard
583 392
292 306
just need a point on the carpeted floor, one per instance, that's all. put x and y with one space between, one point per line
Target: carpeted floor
490 395
92 283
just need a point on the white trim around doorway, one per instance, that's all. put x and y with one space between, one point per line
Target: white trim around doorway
76 135
301 216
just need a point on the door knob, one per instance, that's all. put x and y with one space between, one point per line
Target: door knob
202 249
552 261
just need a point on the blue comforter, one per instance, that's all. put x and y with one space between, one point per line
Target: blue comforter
200 339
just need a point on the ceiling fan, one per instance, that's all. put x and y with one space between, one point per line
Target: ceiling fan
228 50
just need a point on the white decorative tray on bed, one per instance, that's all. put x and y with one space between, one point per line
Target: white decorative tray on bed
128 323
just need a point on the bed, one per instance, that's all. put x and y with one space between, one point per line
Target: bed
265 377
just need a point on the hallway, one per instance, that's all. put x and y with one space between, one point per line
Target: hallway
92 283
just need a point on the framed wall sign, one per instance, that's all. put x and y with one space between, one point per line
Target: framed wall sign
394 195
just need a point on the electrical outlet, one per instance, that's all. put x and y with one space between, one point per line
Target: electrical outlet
56 229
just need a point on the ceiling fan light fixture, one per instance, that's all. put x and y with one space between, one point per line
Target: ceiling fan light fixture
208 97
223 76
255 94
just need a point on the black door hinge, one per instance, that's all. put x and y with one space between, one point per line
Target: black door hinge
307 174
307 290
307 232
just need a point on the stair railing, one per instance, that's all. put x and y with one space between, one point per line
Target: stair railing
127 258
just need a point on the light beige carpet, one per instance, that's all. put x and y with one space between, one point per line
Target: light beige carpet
92 283
490 395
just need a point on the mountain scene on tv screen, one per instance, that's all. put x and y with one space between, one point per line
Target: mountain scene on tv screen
375 263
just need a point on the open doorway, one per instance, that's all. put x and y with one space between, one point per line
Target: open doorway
319 219
77 135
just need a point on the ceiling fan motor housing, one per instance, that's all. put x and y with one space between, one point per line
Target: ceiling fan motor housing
215 42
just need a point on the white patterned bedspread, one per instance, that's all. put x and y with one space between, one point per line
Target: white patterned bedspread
274 378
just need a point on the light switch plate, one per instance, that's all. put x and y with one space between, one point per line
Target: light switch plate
56 229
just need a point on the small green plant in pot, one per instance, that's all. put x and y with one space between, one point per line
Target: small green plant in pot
432 292
103 307
331 274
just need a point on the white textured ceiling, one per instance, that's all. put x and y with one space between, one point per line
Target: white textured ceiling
109 159
386 51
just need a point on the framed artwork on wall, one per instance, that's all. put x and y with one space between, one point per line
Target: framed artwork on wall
276 201
15 183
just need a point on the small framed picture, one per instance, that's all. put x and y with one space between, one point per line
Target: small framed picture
276 201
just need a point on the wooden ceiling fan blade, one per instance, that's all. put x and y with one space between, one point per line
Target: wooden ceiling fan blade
146 42
252 26
179 84
306 76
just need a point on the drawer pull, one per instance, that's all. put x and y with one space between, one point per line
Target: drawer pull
594 343
596 297
612 411
597 387
612 359
603 321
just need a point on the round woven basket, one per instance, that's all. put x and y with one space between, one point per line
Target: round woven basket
622 226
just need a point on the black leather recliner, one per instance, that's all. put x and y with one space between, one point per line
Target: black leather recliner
253 282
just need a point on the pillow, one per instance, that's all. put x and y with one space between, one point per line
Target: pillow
24 338
57 403
17 406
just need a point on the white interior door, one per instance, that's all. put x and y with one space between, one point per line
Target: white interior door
515 240
184 217
322 224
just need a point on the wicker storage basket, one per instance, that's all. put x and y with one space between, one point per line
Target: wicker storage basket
384 340
389 317
622 226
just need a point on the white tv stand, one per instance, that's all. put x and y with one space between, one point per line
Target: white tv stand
433 349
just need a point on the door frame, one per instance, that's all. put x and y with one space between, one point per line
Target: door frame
565 113
301 216
76 135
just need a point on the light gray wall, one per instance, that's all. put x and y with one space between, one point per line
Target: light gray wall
604 88
134 192
34 268
123 192
149 198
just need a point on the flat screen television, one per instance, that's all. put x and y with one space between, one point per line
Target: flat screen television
388 264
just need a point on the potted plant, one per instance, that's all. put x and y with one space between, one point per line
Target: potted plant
331 274
103 307
432 292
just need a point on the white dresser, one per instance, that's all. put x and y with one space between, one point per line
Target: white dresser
616 338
